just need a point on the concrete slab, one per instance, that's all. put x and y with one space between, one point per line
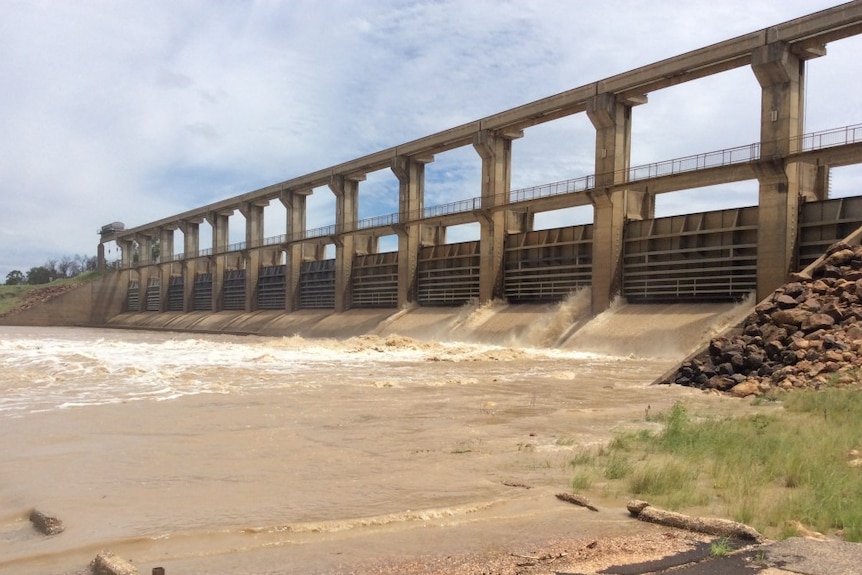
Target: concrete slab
814 557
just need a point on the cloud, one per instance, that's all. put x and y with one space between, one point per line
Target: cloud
135 111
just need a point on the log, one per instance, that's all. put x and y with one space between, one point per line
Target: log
576 500
709 525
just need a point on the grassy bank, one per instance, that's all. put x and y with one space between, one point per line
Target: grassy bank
19 296
11 296
796 467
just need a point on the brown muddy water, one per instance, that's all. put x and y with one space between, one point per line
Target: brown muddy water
245 454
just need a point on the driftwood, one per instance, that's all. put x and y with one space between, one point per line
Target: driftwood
709 525
517 484
576 500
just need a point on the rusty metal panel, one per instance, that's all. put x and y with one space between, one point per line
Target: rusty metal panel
317 284
448 274
154 295
547 265
203 292
709 256
233 290
133 296
823 223
375 280
271 287
175 293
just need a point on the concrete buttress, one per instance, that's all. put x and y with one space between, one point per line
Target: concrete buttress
294 202
191 245
495 149
219 222
782 184
346 190
166 257
411 199
253 213
612 207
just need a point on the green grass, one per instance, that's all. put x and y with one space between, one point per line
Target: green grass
721 547
769 471
12 296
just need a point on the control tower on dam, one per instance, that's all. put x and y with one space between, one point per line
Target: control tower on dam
712 256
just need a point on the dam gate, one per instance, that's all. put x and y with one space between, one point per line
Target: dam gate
707 256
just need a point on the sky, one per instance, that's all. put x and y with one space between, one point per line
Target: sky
121 110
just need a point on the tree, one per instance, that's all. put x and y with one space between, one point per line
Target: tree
65 267
51 266
86 264
39 275
15 277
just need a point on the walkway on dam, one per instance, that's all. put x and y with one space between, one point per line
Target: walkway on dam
836 147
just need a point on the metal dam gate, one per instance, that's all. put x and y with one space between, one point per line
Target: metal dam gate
707 256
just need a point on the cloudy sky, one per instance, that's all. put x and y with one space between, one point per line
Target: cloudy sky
133 111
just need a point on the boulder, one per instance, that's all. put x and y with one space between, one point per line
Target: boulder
106 563
46 524
746 388
808 333
793 317
817 321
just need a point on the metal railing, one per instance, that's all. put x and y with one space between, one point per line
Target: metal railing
729 156
581 184
378 221
830 138
453 208
315 233
716 159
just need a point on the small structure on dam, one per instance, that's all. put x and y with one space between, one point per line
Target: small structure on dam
722 255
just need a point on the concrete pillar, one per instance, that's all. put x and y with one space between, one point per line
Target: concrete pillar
166 257
520 222
253 213
145 249
433 235
411 199
781 75
219 222
126 250
346 190
294 202
495 149
101 265
612 120
166 244
191 247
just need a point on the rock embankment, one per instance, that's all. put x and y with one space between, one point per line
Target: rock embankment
39 295
808 333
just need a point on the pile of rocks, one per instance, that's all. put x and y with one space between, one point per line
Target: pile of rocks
39 295
807 334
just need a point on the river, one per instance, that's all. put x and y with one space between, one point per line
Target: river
207 453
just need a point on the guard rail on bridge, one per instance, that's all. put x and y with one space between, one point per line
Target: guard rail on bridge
750 153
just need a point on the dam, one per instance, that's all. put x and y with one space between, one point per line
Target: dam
625 250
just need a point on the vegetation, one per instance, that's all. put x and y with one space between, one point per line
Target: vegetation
798 467
53 269
721 547
13 296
